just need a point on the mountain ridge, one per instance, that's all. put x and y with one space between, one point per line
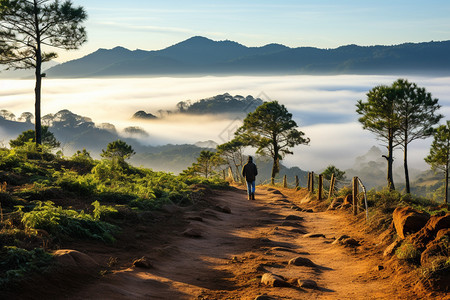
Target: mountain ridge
203 56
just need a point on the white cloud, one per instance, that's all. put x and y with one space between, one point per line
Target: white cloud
323 106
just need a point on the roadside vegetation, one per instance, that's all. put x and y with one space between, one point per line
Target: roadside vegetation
47 199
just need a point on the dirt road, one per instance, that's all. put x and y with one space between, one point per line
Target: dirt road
222 255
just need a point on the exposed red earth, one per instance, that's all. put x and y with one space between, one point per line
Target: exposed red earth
278 246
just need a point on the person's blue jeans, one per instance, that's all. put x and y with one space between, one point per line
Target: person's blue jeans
251 186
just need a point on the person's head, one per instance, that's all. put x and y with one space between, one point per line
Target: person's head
250 159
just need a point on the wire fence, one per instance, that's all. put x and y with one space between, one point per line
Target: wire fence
326 188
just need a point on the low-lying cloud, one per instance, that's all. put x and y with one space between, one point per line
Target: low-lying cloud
323 107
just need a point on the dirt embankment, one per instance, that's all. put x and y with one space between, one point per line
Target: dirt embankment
226 250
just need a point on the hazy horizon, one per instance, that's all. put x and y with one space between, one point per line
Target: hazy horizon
322 106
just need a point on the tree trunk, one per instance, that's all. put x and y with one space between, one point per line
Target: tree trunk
390 160
405 163
275 167
38 75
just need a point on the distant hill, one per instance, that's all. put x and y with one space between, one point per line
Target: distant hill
202 56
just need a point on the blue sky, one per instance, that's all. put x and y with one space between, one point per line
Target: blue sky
153 25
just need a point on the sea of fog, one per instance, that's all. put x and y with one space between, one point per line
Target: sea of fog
322 106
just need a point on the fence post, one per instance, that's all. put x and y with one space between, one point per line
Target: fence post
297 182
332 182
312 182
309 181
272 181
285 181
355 195
320 186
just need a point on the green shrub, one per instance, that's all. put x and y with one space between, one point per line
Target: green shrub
437 268
345 191
16 263
72 182
66 223
408 252
102 211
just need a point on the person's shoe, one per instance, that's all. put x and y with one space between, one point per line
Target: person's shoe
253 196
249 196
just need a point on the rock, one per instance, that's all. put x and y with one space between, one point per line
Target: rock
192 232
294 217
408 220
302 261
434 249
307 284
74 259
313 235
392 247
378 268
223 208
264 297
273 280
430 230
351 242
142 262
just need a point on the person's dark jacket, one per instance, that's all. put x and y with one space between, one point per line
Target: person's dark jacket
249 171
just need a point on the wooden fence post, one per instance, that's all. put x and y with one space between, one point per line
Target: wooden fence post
320 186
309 181
312 182
332 182
355 195
285 181
297 182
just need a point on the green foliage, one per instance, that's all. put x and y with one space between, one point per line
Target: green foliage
65 223
205 165
118 151
272 131
220 104
343 192
436 269
48 139
439 151
338 174
102 211
232 153
16 263
379 116
408 252
8 160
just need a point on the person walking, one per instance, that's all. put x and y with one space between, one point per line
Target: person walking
249 172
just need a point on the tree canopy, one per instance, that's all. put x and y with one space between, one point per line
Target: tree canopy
330 170
27 27
28 136
380 117
417 111
440 151
272 131
118 151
